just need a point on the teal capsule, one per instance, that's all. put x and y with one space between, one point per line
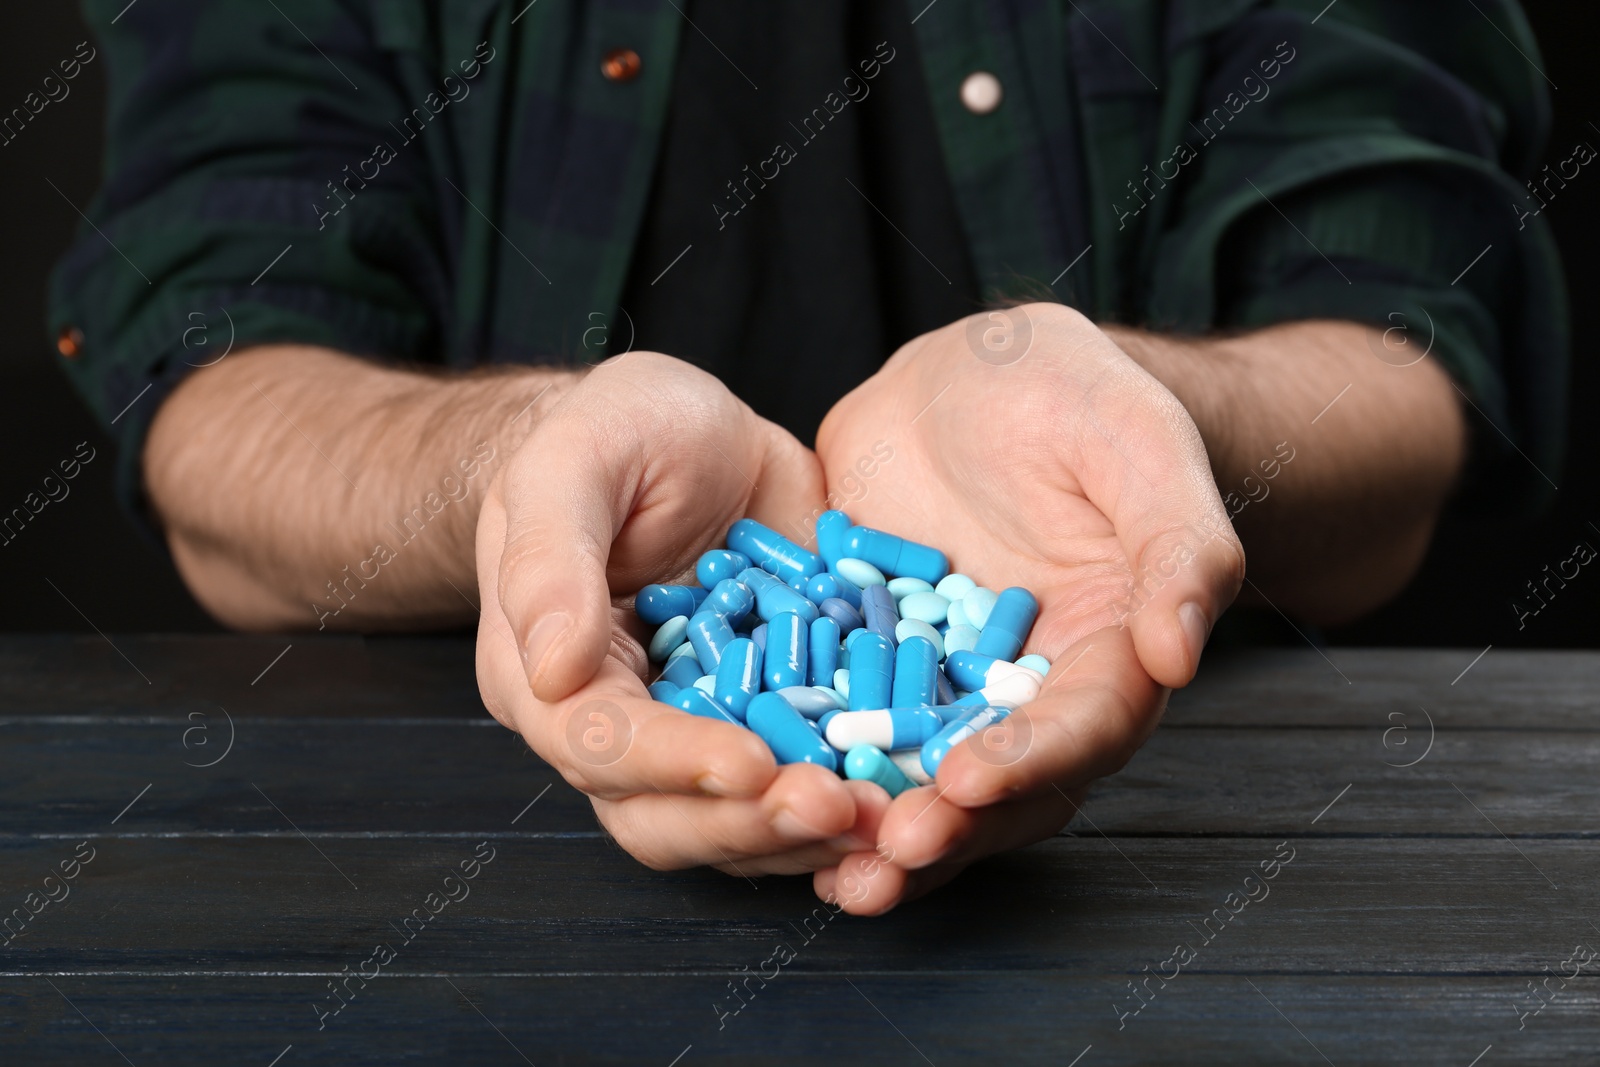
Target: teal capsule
916 663
868 764
682 667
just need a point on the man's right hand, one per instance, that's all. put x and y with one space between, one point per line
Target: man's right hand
633 474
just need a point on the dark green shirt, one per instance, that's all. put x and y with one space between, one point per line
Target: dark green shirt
457 182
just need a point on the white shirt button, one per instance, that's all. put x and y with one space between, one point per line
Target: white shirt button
981 92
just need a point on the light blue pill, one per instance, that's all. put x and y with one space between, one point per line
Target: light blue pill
869 764
904 587
955 586
843 662
859 573
707 684
962 638
957 615
791 738
718 564
812 703
834 695
976 605
915 628
841 684
1035 662
669 637
928 607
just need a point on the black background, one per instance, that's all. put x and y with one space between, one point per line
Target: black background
117 581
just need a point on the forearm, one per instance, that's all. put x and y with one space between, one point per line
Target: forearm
302 488
1341 526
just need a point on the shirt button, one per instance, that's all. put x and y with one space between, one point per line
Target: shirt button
621 65
981 92
70 342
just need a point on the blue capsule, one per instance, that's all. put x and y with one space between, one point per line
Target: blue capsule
1008 624
696 702
848 618
774 598
831 529
658 603
871 672
784 660
664 690
709 633
895 555
977 717
788 733
773 552
738 676
822 652
731 599
718 564
869 764
879 612
916 666
823 586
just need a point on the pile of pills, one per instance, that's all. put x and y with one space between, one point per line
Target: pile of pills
870 658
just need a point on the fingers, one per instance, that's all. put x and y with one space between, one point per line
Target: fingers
610 739
923 828
561 513
804 805
1097 707
867 884
1142 462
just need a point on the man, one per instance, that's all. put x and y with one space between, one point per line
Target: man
1273 256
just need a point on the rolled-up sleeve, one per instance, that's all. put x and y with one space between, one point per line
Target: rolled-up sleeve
1375 177
254 192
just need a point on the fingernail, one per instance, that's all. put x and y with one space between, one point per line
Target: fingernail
543 639
711 785
1195 629
793 827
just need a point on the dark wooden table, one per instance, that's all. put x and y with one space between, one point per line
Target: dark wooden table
1409 917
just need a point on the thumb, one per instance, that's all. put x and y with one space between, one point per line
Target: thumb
565 500
1152 478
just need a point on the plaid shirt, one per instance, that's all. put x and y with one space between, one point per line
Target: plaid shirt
456 182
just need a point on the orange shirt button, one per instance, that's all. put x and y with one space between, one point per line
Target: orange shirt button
70 342
621 65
